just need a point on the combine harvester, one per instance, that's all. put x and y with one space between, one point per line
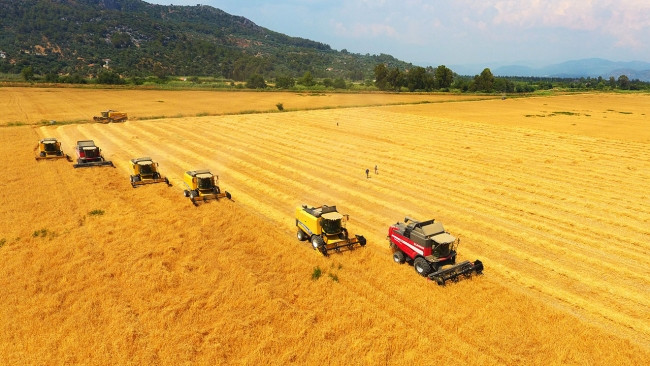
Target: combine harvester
430 248
202 186
89 155
111 116
145 171
50 148
325 228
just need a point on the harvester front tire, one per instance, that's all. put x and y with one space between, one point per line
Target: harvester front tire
186 193
399 257
301 235
421 266
317 242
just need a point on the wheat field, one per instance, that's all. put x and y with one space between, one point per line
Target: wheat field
549 192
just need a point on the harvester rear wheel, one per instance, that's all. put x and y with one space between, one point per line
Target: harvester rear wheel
317 242
421 266
399 257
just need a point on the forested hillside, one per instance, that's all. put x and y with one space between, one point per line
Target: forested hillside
135 38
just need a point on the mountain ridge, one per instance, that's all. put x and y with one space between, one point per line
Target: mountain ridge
589 67
135 38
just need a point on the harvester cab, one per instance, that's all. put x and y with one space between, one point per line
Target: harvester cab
145 171
430 248
325 227
50 148
202 186
89 155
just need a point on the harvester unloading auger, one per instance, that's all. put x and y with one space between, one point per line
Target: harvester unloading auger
430 248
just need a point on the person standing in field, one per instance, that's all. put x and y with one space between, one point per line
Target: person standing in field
367 173
376 170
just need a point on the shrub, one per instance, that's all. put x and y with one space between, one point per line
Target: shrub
96 212
280 106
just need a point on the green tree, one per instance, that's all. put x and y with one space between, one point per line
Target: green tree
256 81
27 73
485 81
339 83
109 77
612 82
381 76
285 82
623 82
306 79
395 79
444 77
52 77
418 79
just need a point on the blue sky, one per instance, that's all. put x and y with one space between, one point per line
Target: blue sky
460 32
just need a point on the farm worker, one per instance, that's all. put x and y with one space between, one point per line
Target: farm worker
367 173
376 170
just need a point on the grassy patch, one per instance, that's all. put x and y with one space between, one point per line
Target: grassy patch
96 212
567 113
334 277
3 241
316 274
40 233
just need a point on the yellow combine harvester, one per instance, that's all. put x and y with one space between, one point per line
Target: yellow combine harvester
325 227
145 171
111 116
50 148
202 186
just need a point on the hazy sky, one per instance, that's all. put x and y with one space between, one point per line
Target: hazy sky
456 32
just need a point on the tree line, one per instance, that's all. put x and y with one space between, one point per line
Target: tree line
442 78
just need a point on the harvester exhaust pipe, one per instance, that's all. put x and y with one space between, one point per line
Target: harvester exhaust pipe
407 219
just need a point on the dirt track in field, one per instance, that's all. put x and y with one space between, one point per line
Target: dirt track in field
560 219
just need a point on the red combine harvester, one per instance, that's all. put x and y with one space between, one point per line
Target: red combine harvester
89 155
430 248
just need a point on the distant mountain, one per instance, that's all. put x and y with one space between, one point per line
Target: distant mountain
592 67
135 38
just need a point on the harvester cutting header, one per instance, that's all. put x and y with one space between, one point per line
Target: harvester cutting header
430 247
324 226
